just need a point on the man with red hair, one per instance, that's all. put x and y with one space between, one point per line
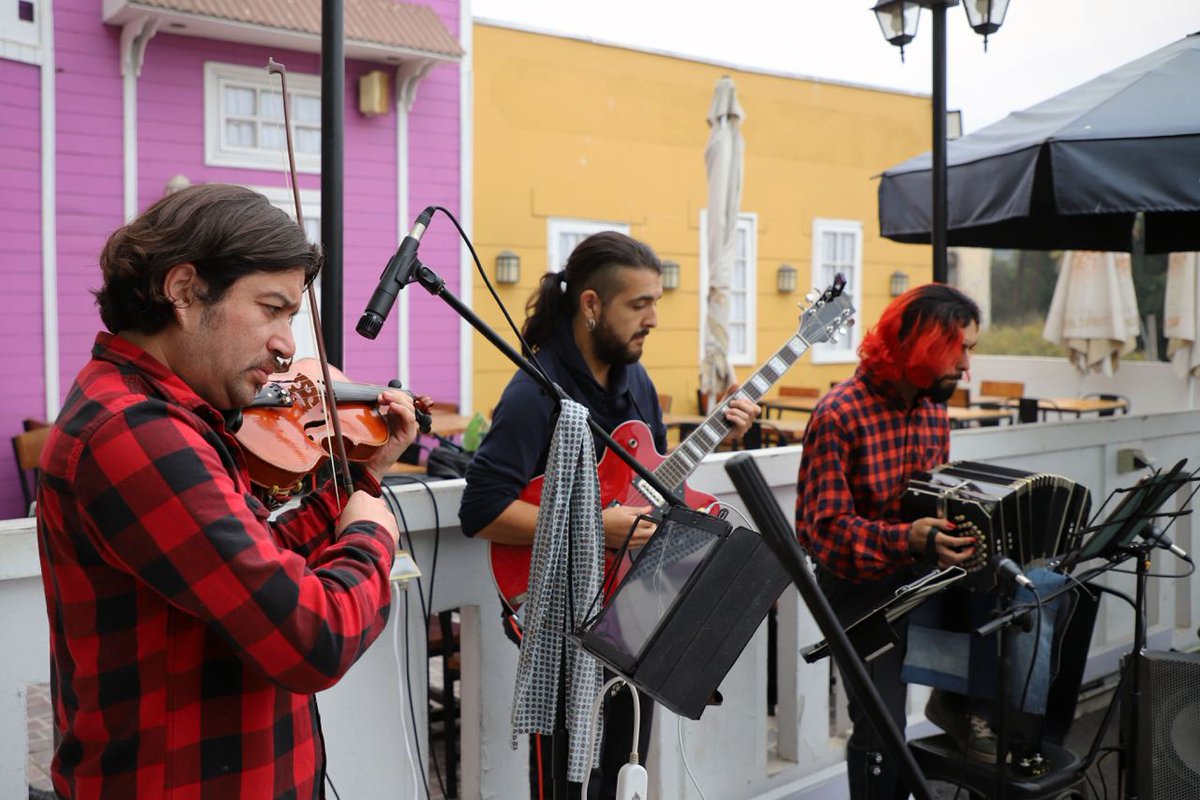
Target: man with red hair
867 437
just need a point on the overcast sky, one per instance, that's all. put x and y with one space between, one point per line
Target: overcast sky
1045 46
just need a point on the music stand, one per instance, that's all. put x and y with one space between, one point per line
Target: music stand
1115 539
695 594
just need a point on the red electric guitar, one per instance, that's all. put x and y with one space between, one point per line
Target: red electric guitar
620 485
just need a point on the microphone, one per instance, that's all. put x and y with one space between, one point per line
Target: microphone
1007 568
1158 537
396 275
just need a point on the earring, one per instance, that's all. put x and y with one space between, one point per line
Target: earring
591 323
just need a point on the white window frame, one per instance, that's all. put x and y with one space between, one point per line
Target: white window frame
217 76
310 206
21 40
748 224
557 226
845 351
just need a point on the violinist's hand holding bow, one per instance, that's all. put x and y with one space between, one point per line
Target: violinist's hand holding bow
397 407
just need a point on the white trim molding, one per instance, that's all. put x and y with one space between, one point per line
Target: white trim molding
747 226
135 35
846 236
219 76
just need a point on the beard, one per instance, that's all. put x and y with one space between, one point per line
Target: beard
942 389
612 349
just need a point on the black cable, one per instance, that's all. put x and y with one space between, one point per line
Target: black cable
526 350
329 780
398 512
1037 641
1191 569
412 709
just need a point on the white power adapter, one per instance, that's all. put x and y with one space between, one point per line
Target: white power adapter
632 783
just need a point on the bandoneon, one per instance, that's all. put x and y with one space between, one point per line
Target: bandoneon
1029 517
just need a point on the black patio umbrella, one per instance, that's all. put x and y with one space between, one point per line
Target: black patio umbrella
1072 171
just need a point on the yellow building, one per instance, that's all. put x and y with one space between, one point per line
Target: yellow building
572 136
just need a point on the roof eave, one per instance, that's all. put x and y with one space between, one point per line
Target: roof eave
119 12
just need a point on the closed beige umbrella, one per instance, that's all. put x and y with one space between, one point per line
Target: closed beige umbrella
723 159
1094 311
1180 319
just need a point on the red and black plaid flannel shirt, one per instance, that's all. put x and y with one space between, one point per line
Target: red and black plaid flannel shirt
188 632
862 445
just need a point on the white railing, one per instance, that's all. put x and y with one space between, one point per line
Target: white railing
368 731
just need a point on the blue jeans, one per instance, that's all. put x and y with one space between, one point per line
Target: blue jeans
950 657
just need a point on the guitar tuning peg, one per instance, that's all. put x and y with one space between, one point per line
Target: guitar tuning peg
811 297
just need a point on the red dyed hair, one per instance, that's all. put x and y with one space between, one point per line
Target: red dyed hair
919 333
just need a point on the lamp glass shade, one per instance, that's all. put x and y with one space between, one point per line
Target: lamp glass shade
986 16
670 274
899 283
785 278
898 20
508 267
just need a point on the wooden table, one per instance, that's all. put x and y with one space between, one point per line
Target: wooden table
448 424
1062 405
804 405
965 417
792 430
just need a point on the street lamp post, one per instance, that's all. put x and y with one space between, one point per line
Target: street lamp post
898 21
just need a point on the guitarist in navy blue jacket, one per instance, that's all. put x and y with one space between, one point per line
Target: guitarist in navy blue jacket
587 325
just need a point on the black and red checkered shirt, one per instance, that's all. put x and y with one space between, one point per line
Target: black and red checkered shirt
862 445
188 632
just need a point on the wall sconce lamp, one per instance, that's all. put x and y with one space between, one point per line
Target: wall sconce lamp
373 93
898 284
508 267
670 274
785 278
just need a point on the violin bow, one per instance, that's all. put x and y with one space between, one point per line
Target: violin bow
339 446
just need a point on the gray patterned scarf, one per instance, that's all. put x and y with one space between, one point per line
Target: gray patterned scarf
568 520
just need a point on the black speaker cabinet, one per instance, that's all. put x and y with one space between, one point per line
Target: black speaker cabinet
1168 727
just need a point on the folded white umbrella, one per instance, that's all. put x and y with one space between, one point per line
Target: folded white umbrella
1094 311
723 159
1179 314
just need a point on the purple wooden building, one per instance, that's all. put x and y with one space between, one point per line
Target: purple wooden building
104 103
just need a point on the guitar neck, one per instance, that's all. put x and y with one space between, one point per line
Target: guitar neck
691 451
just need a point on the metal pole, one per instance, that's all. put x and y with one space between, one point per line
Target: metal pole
333 91
939 142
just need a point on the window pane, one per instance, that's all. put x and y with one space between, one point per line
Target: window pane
738 277
272 105
737 337
272 138
308 140
741 243
239 101
239 134
306 109
737 306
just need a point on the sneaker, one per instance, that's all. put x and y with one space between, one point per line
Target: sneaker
981 740
938 712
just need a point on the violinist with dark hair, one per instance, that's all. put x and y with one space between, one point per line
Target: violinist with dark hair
189 630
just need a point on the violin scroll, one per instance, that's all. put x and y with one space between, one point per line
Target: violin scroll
422 405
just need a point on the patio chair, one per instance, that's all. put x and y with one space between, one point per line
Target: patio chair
27 450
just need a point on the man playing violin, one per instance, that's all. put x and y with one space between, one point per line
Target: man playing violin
588 325
189 630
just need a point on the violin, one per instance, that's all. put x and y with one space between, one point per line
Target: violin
288 431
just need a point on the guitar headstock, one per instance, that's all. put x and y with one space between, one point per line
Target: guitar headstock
829 314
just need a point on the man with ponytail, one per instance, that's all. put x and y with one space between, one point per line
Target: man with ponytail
587 325
867 437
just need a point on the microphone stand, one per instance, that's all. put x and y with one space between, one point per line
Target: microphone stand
436 286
